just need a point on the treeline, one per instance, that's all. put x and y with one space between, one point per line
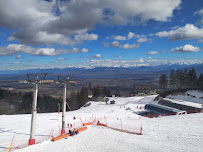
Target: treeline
181 79
79 99
99 91
21 103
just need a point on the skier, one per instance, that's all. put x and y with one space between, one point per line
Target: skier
76 132
71 133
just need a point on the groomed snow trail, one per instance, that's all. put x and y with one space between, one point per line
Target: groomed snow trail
173 133
170 133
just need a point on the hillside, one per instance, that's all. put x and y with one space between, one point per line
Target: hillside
171 133
195 96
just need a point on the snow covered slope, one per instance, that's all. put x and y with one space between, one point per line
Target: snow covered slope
171 133
195 96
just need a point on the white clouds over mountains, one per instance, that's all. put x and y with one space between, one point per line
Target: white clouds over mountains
186 49
139 62
40 22
19 48
189 31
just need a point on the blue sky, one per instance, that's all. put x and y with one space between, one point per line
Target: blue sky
116 33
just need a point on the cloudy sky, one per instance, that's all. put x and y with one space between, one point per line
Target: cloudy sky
86 33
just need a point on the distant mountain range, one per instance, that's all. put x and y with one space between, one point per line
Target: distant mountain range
103 72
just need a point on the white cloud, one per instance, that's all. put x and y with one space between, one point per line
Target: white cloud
142 40
186 49
130 46
40 22
125 46
95 56
141 60
16 63
149 58
152 52
60 58
84 50
120 38
189 31
200 12
131 35
85 36
18 56
116 44
19 48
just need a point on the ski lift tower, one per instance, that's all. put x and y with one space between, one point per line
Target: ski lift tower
35 80
65 82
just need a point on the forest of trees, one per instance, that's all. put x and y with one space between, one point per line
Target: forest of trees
78 99
99 90
21 103
181 79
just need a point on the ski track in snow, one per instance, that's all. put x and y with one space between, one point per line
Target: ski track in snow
171 133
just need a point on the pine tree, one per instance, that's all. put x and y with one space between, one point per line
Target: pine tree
200 81
181 79
96 91
192 78
186 81
172 79
83 96
177 82
90 86
163 81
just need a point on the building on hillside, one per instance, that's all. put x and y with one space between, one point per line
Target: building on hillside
144 90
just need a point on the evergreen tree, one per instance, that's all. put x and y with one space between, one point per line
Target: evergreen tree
200 81
83 96
163 81
73 100
177 82
172 79
181 79
96 91
186 81
192 78
106 91
90 86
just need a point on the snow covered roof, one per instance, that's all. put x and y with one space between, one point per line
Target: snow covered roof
192 104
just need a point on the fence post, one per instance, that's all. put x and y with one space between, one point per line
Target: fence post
9 149
141 129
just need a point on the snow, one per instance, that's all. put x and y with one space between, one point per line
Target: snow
195 96
171 133
192 104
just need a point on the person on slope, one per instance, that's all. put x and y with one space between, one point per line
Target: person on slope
71 133
76 131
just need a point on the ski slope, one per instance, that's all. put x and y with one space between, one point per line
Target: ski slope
171 133
195 96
